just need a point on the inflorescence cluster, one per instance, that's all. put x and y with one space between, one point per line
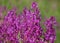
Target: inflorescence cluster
26 27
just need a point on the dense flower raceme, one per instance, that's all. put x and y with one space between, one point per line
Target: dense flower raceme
26 27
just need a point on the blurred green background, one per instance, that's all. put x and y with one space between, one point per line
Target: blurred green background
47 7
